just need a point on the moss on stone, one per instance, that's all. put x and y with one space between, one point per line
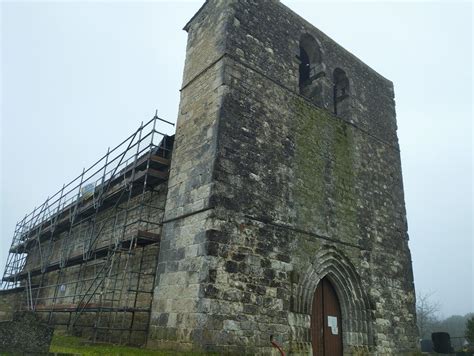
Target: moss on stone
324 160
343 175
309 165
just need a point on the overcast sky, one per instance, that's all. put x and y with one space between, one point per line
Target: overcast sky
77 77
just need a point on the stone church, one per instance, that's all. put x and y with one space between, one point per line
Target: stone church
274 216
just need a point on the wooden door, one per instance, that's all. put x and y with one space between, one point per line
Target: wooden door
326 326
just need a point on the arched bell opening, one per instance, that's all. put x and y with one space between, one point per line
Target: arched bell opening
341 94
311 69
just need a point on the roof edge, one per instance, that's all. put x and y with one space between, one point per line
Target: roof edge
188 24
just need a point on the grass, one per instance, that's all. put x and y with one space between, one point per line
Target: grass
71 345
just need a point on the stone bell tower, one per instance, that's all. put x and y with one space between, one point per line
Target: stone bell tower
285 214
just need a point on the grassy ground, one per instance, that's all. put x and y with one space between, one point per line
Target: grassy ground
71 345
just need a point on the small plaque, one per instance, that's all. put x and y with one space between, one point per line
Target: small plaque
332 323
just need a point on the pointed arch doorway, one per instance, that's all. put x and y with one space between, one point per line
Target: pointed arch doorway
326 323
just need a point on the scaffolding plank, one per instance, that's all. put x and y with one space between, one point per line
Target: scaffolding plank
147 236
143 238
158 174
87 209
159 159
91 307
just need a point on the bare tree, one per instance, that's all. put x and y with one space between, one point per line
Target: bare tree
469 333
426 314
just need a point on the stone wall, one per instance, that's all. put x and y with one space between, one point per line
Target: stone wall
25 335
110 226
124 281
10 302
288 193
128 286
269 192
179 311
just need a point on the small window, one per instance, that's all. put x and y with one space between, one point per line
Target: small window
310 63
304 68
341 89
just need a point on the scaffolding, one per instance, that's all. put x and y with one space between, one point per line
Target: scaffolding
86 258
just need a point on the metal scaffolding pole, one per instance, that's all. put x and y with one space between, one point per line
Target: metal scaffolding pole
89 247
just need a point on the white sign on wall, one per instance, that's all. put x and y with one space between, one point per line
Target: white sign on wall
332 323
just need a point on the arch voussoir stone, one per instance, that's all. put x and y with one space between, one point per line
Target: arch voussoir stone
329 262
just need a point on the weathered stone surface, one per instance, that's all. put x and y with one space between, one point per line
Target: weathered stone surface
270 191
25 335
127 286
282 174
10 301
